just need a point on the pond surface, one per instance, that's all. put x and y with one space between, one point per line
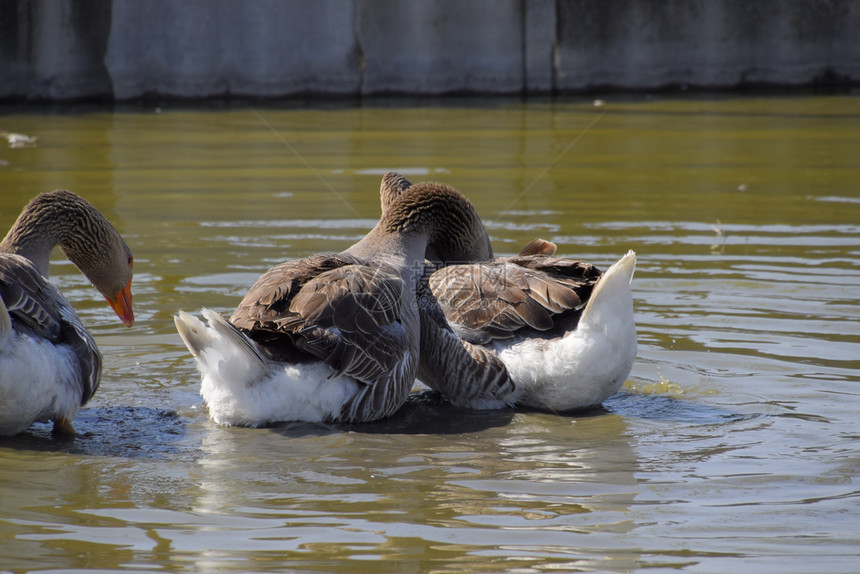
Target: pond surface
732 447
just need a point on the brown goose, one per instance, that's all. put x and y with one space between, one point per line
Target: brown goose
533 329
49 363
333 337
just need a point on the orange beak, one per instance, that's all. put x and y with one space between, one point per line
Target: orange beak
122 305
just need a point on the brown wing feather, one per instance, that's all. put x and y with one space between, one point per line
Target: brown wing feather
38 308
28 297
353 298
495 299
332 308
539 247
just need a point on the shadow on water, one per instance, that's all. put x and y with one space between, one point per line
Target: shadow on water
424 413
595 411
145 432
670 409
428 412
127 432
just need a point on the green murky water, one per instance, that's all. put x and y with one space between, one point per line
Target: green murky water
733 446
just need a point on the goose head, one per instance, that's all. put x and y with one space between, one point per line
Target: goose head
459 234
87 239
110 272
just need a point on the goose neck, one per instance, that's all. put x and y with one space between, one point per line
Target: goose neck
57 218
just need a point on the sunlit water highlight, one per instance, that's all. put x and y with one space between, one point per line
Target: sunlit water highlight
733 446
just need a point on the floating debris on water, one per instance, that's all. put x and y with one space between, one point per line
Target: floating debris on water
719 244
19 140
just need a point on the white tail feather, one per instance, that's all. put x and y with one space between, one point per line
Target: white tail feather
221 348
241 388
589 363
611 292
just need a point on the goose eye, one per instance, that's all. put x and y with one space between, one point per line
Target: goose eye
130 260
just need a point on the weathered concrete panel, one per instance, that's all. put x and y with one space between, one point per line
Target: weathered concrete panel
441 46
643 44
539 46
197 48
54 50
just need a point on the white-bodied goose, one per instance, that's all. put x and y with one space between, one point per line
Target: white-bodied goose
533 329
333 337
49 363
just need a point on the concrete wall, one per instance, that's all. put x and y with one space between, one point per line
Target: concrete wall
125 49
713 43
